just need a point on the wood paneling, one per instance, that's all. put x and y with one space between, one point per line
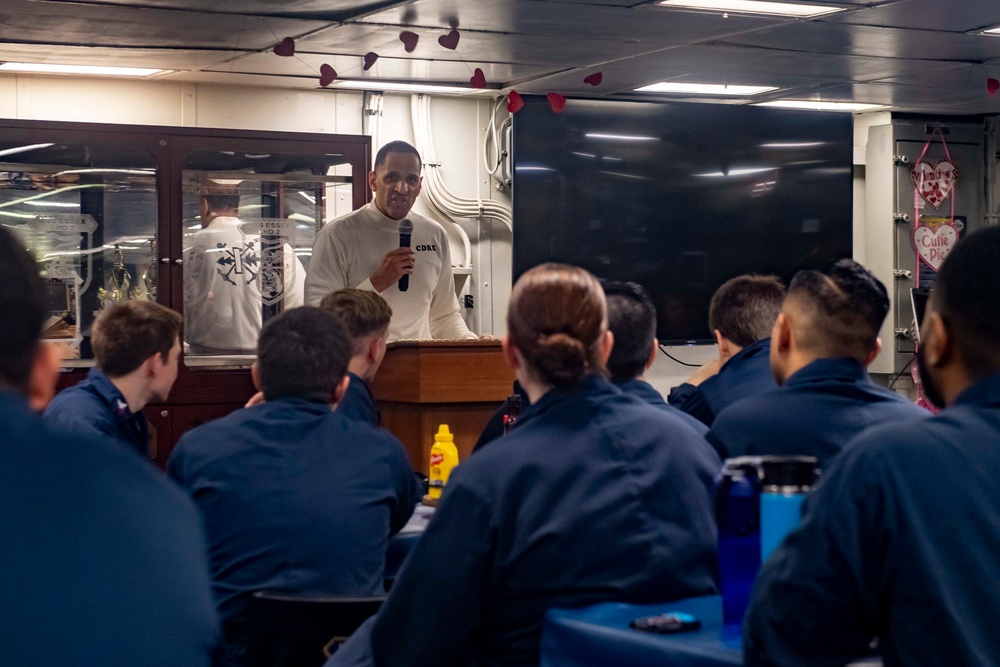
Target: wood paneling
423 384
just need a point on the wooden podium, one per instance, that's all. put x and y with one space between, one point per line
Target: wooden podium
422 384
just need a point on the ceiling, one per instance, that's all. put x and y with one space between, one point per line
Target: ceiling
912 55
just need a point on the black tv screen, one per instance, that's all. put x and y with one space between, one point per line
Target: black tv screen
680 197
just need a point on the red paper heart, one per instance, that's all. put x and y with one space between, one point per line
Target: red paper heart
370 59
326 75
557 102
478 79
409 40
285 47
992 86
449 41
514 102
594 79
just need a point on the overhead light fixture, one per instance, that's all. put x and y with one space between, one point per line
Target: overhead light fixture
755 7
532 167
392 86
620 137
704 89
991 31
812 105
96 70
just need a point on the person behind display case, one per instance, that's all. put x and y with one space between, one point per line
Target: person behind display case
226 273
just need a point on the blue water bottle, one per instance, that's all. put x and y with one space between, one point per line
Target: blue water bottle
737 512
785 481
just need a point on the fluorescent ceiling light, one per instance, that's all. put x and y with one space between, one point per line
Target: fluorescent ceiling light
704 88
991 31
42 68
533 168
746 171
755 7
793 144
620 137
391 86
812 105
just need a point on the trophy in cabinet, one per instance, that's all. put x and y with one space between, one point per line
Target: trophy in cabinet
148 277
118 283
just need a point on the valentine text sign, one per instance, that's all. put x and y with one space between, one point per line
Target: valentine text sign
933 239
934 182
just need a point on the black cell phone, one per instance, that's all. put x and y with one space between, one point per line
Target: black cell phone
666 624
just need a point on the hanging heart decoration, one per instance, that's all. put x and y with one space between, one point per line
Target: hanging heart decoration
327 75
478 79
934 182
557 102
449 41
514 102
370 59
285 48
933 243
409 40
594 79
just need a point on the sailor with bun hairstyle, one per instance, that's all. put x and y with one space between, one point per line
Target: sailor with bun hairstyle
595 496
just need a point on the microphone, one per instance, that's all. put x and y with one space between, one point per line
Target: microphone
405 230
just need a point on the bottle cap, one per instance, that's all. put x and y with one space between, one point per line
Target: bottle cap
444 434
789 471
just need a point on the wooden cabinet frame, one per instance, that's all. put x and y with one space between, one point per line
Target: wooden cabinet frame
199 394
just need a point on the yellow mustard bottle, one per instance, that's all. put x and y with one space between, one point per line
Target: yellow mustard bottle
444 457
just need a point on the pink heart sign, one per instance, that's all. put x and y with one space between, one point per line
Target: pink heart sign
934 243
934 182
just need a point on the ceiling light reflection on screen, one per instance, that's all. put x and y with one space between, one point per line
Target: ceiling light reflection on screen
793 144
621 174
620 137
745 171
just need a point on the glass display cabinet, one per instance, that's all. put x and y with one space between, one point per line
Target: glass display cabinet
216 224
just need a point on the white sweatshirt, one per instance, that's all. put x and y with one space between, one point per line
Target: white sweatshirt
225 282
349 250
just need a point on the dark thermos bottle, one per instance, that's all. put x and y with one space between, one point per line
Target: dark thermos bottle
737 512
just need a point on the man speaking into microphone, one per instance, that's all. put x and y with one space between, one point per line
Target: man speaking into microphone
383 247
